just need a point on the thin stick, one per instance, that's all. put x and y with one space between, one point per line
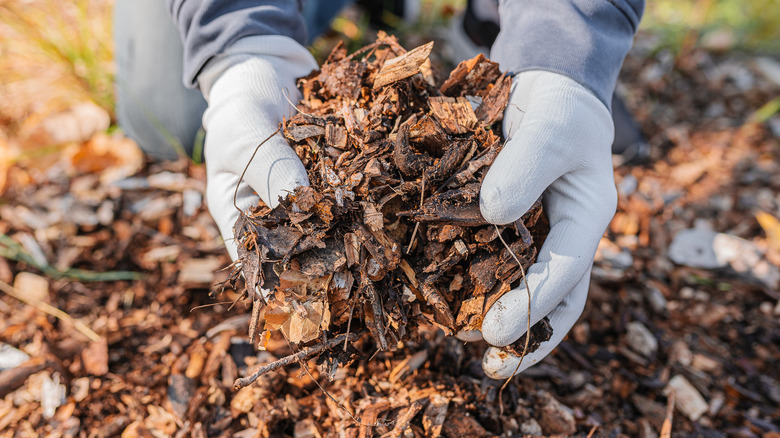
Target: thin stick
338 403
241 178
528 326
287 98
324 391
254 320
593 430
51 310
306 353
210 305
417 224
666 427
349 322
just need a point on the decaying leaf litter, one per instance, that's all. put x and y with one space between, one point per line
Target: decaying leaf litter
389 233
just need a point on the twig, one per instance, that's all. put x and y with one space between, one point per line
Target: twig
417 224
51 310
349 322
593 430
241 178
528 325
295 107
254 320
210 305
666 427
306 353
324 391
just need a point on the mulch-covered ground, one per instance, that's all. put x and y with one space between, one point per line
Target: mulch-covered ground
156 356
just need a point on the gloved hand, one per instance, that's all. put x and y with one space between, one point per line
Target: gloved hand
559 140
244 87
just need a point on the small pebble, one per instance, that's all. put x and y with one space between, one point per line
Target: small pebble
640 339
687 398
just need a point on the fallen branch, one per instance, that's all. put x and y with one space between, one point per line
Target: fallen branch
304 354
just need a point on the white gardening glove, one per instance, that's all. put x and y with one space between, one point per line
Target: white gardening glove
559 140
245 87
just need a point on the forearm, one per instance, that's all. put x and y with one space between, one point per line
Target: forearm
208 27
585 40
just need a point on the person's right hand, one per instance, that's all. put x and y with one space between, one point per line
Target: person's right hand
245 88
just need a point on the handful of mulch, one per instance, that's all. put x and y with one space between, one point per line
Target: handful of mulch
389 234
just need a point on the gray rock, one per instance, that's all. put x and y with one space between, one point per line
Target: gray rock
640 339
694 247
704 248
531 427
656 299
554 416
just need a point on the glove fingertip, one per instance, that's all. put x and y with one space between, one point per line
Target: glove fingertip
502 207
491 204
498 364
500 326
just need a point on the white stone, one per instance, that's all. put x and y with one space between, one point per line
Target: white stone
640 339
703 248
694 247
52 395
687 398
11 357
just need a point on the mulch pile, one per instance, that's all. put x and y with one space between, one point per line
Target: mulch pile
389 234
162 365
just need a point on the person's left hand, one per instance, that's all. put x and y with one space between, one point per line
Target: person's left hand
559 145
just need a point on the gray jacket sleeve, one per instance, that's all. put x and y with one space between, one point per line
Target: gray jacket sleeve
207 27
585 40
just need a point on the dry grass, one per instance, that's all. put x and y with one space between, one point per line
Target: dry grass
52 55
